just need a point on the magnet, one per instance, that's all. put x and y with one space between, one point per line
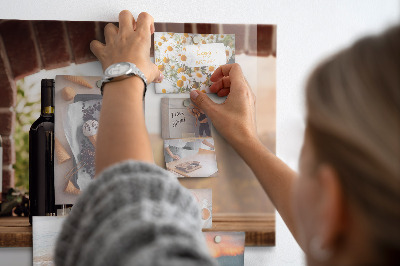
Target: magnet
217 239
196 39
186 102
98 83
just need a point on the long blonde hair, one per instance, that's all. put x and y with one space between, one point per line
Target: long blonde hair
353 120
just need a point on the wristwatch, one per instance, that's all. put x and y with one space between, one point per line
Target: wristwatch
120 71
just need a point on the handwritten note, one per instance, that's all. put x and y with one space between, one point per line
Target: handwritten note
205 55
177 118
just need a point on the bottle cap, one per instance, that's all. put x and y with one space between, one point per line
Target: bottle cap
47 100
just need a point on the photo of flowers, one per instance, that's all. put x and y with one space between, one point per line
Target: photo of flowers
226 247
204 199
188 60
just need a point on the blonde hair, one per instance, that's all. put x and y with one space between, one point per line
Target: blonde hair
353 120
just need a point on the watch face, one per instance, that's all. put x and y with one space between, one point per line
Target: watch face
118 69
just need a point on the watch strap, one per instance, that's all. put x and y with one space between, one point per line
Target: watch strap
135 71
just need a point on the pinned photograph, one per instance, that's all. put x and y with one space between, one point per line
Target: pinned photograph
77 109
204 199
191 157
226 247
188 60
182 119
45 230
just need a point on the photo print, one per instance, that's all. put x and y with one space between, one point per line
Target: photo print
182 119
45 230
77 111
188 60
204 200
191 157
226 247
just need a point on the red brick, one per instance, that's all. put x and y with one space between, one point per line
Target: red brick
152 46
8 179
160 26
262 45
240 34
175 27
7 123
80 35
8 150
53 44
8 91
273 43
205 28
264 40
188 28
19 44
100 30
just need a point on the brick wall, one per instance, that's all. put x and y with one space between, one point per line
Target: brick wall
26 47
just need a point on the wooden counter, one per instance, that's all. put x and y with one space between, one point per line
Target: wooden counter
260 229
15 232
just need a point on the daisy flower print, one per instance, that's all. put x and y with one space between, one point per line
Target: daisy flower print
188 60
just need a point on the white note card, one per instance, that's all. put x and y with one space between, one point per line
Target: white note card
210 54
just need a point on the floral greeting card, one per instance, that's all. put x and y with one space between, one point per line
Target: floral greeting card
188 60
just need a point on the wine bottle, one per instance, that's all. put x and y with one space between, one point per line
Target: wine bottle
41 156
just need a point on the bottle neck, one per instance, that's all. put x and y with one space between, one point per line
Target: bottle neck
47 111
47 97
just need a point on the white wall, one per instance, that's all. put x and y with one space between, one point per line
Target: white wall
307 32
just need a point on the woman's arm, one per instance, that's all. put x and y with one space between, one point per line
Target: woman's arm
175 157
235 121
122 132
275 176
207 143
133 209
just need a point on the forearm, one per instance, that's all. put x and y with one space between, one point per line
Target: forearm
275 176
169 151
122 133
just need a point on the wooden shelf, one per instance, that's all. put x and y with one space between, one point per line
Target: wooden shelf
15 232
259 229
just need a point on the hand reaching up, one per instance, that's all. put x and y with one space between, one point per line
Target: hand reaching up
235 118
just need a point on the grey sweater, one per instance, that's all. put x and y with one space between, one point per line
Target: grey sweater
134 213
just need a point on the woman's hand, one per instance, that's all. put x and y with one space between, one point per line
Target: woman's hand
235 118
130 42
176 157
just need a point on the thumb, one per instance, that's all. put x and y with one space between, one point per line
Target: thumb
202 100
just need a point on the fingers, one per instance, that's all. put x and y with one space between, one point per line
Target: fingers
225 82
145 23
223 92
201 100
97 48
126 22
234 71
110 31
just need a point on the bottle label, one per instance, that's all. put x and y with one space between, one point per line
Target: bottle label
48 110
